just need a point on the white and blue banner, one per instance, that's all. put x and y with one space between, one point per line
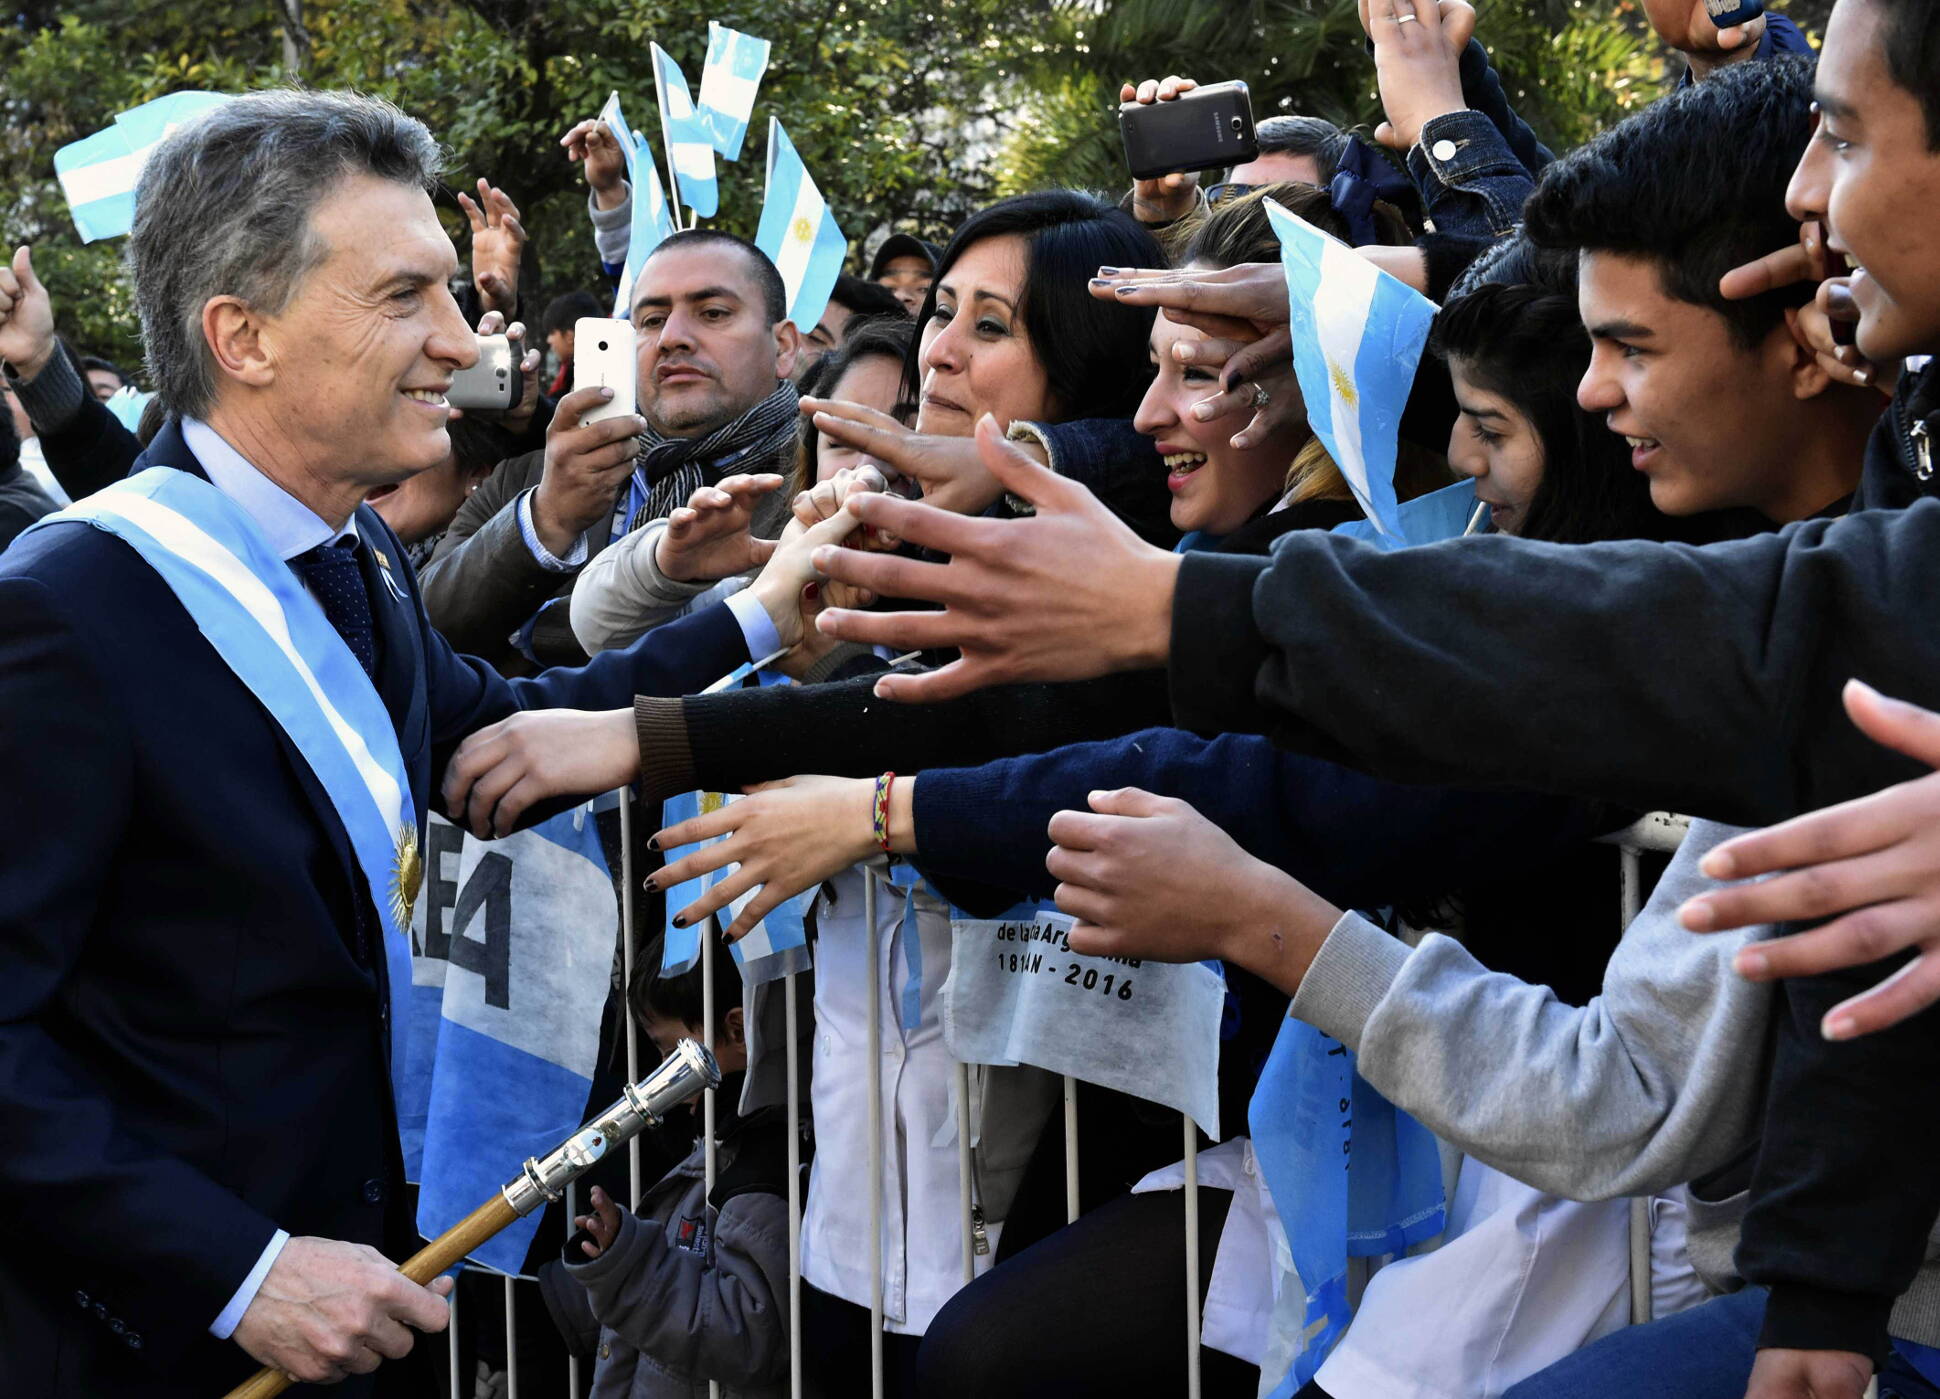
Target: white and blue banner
681 947
798 232
652 221
98 173
729 80
128 404
1358 334
689 142
1350 1175
512 961
1018 994
267 628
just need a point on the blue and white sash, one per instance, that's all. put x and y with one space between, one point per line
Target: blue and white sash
275 637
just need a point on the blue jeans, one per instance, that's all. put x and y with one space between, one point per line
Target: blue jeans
1703 1353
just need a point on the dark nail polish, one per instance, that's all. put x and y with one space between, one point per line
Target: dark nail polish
680 920
1107 272
653 842
1124 291
1232 382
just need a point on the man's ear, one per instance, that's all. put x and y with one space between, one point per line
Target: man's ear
1802 366
737 1029
234 333
788 350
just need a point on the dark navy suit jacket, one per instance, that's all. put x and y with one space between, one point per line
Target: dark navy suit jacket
192 1043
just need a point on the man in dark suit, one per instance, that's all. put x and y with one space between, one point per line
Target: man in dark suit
199 1161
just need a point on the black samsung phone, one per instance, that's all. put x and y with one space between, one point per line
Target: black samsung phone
1206 128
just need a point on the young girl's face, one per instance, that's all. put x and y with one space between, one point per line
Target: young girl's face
1216 487
1496 445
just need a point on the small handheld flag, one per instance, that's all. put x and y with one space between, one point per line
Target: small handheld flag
1358 334
690 145
652 221
729 79
98 173
798 232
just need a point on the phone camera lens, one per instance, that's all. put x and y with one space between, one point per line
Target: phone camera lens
602 344
1237 123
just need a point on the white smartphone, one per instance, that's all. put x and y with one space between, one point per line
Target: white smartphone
493 382
603 358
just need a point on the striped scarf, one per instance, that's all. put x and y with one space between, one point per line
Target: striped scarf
673 468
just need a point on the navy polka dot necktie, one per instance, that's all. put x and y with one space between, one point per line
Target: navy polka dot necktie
331 573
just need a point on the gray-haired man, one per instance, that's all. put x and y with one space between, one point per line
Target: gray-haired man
226 709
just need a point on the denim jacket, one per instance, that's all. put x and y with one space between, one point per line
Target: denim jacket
1475 168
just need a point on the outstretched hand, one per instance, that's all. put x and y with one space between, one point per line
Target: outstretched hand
498 240
502 770
1149 877
786 837
1871 865
710 537
948 471
1417 64
1065 594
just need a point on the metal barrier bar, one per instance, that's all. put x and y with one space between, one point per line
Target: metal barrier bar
572 1359
451 1338
511 1340
626 976
1192 1257
709 931
1070 1149
965 1167
794 1196
875 1132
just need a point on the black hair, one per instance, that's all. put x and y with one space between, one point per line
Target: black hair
96 362
679 997
1093 352
1910 32
774 295
1666 186
866 298
1309 136
562 312
866 337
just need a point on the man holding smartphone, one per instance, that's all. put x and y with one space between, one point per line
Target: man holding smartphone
717 408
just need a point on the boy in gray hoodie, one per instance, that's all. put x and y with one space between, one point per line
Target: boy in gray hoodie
690 1286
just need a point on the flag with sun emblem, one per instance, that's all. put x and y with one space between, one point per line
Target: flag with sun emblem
798 232
1358 334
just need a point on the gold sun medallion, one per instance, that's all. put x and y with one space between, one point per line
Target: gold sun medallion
803 231
407 876
1343 384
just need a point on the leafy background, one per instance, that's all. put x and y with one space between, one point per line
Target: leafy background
910 113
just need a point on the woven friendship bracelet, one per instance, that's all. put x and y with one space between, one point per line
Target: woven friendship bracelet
880 821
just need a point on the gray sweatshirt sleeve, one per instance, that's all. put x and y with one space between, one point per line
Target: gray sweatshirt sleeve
622 595
1657 1081
612 228
715 1315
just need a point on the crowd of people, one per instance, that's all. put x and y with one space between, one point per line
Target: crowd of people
1035 525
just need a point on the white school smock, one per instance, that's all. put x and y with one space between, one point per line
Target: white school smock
921 1211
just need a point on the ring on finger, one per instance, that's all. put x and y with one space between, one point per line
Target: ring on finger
1260 396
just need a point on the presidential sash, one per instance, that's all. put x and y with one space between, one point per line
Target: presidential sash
267 628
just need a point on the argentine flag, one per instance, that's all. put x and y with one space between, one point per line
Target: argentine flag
690 145
98 173
652 221
729 79
798 232
778 944
1357 337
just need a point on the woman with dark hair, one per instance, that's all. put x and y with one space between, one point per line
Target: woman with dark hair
866 369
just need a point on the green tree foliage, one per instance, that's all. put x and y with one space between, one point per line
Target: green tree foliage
910 113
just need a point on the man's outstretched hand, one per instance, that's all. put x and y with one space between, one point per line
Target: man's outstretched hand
1066 594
